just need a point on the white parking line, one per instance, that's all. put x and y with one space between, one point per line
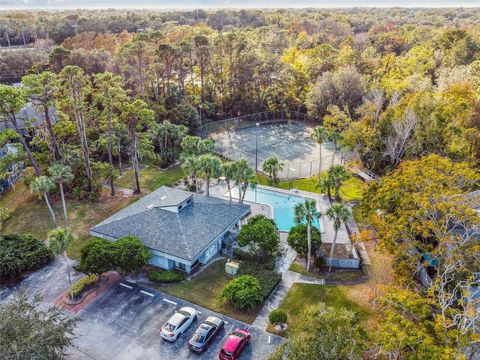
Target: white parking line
146 293
126 286
170 302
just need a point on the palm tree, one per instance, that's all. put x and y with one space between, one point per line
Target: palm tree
338 175
339 214
243 177
307 212
59 240
325 184
272 166
42 185
62 174
228 169
190 165
320 135
210 167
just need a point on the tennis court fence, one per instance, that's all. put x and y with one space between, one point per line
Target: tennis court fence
255 155
250 120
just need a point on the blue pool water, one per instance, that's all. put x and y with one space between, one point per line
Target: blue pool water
283 206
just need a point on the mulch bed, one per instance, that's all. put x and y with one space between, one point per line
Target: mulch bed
106 281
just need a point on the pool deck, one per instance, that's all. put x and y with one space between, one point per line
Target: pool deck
328 232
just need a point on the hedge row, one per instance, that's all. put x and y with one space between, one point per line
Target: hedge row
126 255
21 253
83 283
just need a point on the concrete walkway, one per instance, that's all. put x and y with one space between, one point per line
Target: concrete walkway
279 294
288 279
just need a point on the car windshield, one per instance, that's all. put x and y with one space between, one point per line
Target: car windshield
239 334
184 313
169 327
198 338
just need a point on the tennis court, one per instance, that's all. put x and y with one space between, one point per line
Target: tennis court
289 141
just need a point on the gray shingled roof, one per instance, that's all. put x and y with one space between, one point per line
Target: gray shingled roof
184 234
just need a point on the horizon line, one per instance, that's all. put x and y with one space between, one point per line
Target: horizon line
226 7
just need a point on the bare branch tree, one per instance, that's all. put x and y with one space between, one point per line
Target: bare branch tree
397 142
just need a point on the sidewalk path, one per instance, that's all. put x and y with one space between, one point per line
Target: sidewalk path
278 295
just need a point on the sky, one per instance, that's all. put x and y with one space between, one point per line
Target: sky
185 4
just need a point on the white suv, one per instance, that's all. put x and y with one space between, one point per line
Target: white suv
178 323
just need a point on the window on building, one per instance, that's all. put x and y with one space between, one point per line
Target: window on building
182 266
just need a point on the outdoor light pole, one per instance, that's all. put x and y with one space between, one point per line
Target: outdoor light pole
256 146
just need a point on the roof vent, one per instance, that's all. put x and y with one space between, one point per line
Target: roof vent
163 197
150 206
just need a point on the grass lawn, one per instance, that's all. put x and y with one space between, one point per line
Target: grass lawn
33 216
151 177
204 290
13 197
342 275
303 295
352 189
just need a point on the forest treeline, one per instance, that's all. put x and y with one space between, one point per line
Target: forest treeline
393 84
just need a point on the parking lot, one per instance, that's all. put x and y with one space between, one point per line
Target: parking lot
125 322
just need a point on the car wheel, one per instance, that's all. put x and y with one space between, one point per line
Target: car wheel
178 336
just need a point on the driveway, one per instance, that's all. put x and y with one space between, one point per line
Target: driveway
124 322
50 281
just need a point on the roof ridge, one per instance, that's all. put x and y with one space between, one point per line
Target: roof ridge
183 235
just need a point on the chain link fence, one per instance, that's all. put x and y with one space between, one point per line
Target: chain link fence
284 134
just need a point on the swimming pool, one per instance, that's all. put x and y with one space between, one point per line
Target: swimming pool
282 204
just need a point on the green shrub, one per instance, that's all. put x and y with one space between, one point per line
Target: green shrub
242 292
83 284
319 262
96 257
127 254
20 253
261 236
268 263
277 316
268 279
164 276
130 254
298 239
